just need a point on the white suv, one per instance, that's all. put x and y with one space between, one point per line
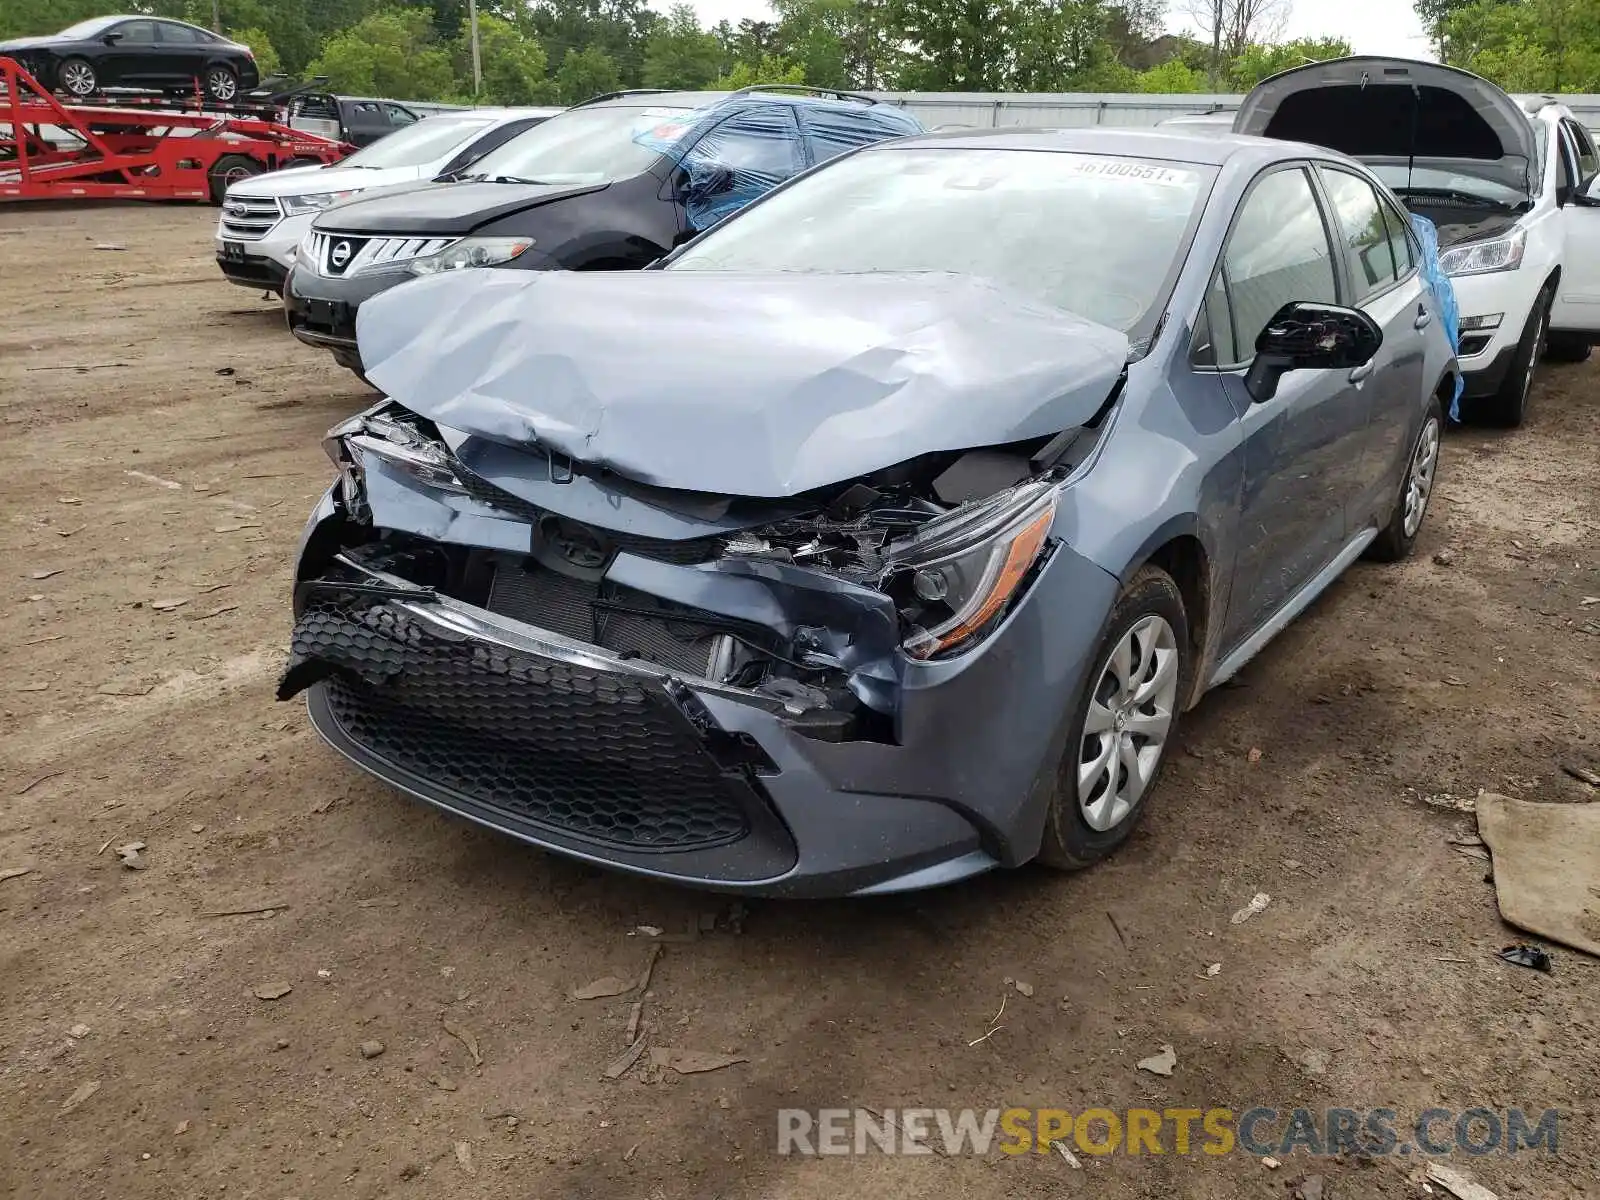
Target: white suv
1511 186
265 216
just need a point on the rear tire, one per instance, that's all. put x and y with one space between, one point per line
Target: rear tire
1568 348
228 170
221 83
1508 407
77 77
1095 804
1399 537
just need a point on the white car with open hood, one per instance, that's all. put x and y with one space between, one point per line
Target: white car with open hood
264 217
1511 186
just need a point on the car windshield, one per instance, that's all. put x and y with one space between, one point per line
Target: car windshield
87 29
582 145
1402 179
1099 236
424 142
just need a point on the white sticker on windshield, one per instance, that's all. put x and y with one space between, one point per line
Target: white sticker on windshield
1132 170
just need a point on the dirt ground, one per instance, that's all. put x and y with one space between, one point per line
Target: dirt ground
160 443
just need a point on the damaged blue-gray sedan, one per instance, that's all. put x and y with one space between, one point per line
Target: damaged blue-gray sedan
882 536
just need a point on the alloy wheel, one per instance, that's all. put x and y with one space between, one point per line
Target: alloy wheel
1419 482
78 78
221 84
1130 714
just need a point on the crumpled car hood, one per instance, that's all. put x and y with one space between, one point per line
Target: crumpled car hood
762 385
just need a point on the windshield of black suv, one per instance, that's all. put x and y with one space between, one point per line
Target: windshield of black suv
581 145
427 141
1100 236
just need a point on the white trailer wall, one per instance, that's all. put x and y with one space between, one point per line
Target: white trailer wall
1061 110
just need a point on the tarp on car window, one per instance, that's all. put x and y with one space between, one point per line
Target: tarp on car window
833 129
733 153
1444 294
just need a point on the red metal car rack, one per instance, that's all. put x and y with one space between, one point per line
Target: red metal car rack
135 151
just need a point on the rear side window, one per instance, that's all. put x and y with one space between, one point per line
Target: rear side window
400 116
1277 253
830 132
1362 228
1405 250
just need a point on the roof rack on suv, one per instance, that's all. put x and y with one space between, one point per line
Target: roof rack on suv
624 92
807 89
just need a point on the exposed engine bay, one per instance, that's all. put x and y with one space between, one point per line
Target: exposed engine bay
813 602
1458 223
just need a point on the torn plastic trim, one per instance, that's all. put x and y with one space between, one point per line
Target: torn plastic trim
455 618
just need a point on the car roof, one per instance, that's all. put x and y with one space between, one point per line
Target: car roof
753 95
1208 149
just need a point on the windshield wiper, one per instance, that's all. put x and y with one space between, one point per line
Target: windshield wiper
1454 196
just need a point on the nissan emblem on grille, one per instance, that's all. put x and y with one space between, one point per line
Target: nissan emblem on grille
339 255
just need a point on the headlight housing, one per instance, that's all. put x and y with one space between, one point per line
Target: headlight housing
961 571
1486 257
470 252
314 202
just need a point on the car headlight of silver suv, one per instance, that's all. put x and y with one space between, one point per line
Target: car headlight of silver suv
959 574
1486 257
314 202
470 252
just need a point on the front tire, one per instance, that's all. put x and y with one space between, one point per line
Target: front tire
1123 725
1508 407
1399 537
77 78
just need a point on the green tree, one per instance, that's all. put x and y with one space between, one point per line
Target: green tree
840 43
769 69
392 53
585 73
1528 45
1257 62
957 45
1172 76
514 67
260 43
680 54
617 28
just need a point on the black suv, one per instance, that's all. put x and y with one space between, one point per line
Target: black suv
610 184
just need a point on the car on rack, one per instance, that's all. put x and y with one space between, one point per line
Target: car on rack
611 184
137 52
265 217
884 533
1513 188
359 120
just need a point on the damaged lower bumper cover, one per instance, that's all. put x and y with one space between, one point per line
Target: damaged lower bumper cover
616 760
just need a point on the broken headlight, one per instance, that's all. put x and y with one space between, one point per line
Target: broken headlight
961 571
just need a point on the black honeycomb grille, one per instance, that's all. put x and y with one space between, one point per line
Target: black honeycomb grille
593 755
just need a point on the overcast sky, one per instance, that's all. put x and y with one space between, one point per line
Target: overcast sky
1370 26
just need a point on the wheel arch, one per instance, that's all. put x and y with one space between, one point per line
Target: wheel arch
1180 550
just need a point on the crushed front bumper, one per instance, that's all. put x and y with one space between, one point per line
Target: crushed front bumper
623 763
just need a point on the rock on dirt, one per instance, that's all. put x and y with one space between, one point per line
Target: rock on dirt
1160 1064
276 990
371 1049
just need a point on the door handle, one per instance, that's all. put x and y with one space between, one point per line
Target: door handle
1424 318
1364 371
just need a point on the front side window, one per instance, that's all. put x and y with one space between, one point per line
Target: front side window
1583 147
1098 236
141 32
737 161
1277 253
585 145
1361 225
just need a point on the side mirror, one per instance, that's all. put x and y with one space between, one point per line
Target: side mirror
1589 197
1310 337
111 39
710 179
